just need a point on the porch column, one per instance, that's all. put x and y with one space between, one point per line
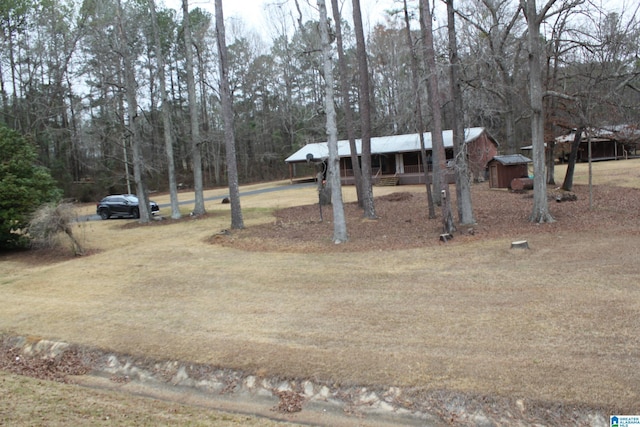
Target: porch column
399 163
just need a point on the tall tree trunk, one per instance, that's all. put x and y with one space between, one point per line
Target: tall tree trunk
14 78
364 102
567 185
4 98
204 114
509 127
415 81
227 113
437 144
463 181
441 193
348 112
74 150
196 152
540 212
166 115
132 111
551 163
120 117
553 61
339 221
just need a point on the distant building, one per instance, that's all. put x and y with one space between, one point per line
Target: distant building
607 143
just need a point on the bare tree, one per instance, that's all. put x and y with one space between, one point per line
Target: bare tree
540 212
364 102
339 221
440 184
196 143
495 28
463 181
415 80
227 113
348 112
132 112
285 61
555 50
166 114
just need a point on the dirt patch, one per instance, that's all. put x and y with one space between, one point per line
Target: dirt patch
403 221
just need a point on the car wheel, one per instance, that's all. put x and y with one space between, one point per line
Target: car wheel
135 212
104 214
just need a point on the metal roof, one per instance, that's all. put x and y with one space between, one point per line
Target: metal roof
621 133
512 159
381 145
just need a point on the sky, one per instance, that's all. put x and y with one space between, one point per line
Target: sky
252 11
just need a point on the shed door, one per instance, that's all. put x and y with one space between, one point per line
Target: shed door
493 176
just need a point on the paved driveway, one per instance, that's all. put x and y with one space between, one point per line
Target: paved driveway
96 217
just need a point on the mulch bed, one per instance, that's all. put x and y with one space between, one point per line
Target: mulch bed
403 221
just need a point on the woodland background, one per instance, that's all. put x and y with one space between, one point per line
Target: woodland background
62 82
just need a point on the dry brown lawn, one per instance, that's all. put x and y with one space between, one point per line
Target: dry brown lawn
557 323
28 401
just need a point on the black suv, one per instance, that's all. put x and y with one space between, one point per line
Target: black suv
122 205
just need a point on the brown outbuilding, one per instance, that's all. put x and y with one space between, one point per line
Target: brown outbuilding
397 158
504 169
